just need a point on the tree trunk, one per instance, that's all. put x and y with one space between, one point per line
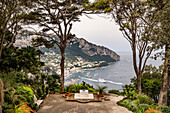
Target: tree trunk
2 41
139 83
164 89
1 95
133 46
62 68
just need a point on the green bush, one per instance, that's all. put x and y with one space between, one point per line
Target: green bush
143 99
25 92
92 90
15 96
164 109
39 94
143 107
53 83
75 88
57 90
151 87
130 91
128 104
114 92
138 105
11 79
7 107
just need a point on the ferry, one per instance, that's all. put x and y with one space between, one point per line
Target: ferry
102 80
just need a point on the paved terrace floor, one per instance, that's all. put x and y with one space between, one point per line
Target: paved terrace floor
55 103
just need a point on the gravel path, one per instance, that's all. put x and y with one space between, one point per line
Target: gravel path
55 103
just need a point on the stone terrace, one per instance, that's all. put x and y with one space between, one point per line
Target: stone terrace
55 103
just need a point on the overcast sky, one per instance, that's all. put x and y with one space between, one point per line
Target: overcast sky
101 31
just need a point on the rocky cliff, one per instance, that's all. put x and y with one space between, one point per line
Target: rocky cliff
93 50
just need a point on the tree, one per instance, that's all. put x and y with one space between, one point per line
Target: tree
57 17
11 13
132 17
161 14
151 81
27 59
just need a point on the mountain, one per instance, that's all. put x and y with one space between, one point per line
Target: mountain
78 48
88 51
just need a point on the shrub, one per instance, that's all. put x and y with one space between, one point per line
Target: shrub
11 79
57 90
91 90
138 105
21 108
25 92
164 109
7 107
53 83
151 87
15 96
143 99
75 88
130 91
143 107
39 93
132 106
114 92
128 104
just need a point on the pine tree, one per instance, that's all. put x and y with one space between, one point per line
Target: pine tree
56 17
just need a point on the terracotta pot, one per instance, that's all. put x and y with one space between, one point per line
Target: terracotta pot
100 95
68 94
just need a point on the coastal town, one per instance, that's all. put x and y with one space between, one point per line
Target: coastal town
52 60
52 65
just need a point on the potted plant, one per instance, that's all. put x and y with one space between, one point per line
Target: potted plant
68 94
67 91
100 89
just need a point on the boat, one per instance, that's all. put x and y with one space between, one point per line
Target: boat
95 74
88 75
101 80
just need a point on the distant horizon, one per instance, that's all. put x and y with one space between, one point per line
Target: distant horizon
101 30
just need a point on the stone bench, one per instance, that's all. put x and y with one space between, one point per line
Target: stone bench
83 95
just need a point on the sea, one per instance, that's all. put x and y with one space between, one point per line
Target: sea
114 76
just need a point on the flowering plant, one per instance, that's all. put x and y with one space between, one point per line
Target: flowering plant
151 110
22 108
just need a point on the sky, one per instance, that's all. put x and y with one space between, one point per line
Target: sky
101 31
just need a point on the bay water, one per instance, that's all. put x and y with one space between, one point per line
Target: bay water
114 76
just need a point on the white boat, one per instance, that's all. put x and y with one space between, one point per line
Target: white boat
88 75
101 80
95 74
